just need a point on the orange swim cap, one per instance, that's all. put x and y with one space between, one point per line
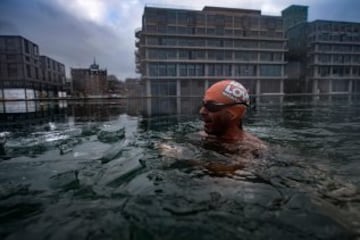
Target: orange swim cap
227 91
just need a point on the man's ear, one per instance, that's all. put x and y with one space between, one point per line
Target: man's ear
230 115
236 113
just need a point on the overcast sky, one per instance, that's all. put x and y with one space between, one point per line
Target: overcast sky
75 31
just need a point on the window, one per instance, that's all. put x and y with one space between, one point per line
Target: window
162 70
191 69
171 30
270 56
324 71
171 69
199 70
200 30
12 70
10 44
219 31
228 55
197 54
227 70
325 47
211 55
271 45
270 70
228 43
228 32
183 70
183 54
36 73
182 18
11 57
214 43
36 50
245 44
170 54
198 42
163 87
28 71
219 55
210 31
181 30
152 53
27 47
246 56
218 70
153 69
169 41
211 70
356 59
152 41
245 70
324 58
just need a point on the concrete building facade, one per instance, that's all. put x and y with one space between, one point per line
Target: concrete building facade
324 55
21 70
181 52
90 81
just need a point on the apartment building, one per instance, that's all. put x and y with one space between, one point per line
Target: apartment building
327 54
90 81
181 52
53 73
21 70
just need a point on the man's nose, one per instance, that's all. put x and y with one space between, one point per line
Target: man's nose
203 110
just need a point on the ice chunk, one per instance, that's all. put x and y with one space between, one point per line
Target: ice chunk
111 137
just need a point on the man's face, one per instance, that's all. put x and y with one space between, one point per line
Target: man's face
215 123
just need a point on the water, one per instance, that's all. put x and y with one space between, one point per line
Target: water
121 170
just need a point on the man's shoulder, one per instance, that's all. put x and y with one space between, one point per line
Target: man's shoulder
255 143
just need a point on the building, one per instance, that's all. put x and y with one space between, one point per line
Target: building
53 73
324 55
294 15
134 87
90 81
181 52
115 87
21 70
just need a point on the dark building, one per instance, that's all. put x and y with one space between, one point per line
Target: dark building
21 70
181 52
294 15
90 81
53 73
324 56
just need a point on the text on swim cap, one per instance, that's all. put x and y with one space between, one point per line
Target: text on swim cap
235 91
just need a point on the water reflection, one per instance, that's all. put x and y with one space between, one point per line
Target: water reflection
26 114
171 106
22 114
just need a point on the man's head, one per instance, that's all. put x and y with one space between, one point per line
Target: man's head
224 105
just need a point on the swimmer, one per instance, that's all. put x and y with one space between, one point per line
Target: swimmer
224 107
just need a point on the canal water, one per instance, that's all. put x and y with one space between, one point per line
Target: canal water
120 170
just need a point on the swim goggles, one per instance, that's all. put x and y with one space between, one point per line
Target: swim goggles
212 106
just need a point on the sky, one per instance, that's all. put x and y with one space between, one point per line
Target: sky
75 31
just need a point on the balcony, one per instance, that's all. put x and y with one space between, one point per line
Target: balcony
138 32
